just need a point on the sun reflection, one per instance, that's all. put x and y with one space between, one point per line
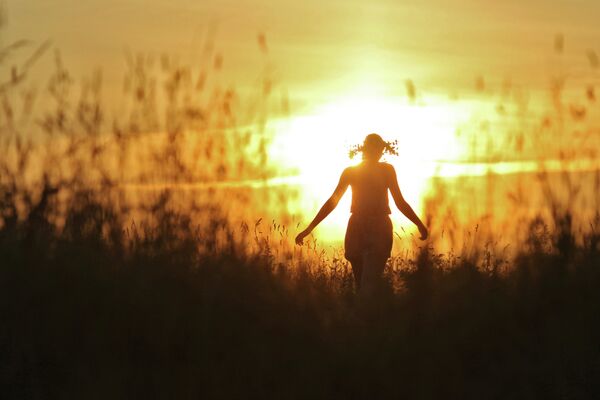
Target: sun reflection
316 145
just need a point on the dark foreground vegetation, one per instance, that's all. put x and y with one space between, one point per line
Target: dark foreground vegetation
102 299
95 311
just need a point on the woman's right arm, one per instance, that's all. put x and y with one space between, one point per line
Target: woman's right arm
403 205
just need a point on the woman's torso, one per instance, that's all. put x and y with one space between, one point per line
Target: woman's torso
369 183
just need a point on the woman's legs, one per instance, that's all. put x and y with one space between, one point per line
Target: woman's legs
372 272
367 272
368 243
357 272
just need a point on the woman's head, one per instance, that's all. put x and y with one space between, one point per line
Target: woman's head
373 147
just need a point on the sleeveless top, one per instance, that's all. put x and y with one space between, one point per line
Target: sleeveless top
369 184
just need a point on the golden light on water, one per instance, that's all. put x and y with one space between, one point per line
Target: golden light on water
316 145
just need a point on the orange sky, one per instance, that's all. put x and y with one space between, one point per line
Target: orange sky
322 47
344 64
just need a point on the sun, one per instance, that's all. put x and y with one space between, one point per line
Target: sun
317 145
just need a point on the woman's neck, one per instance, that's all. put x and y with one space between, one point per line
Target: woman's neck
370 161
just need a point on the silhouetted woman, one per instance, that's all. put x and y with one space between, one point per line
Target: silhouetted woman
369 235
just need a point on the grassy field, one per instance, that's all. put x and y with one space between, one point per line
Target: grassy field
107 293
94 311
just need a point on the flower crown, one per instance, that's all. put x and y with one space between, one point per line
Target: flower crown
391 148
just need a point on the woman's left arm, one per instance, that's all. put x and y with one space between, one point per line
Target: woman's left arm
327 207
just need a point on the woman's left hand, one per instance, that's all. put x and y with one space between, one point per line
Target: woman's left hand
301 236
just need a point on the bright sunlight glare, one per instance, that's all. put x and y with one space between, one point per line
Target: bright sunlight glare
317 146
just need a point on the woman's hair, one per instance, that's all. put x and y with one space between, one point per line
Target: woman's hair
374 144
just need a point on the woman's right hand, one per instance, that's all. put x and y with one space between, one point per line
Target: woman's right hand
424 232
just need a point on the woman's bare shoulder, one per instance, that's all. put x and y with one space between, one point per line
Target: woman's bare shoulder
348 172
387 167
351 169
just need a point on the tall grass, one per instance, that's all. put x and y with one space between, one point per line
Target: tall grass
93 310
107 292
